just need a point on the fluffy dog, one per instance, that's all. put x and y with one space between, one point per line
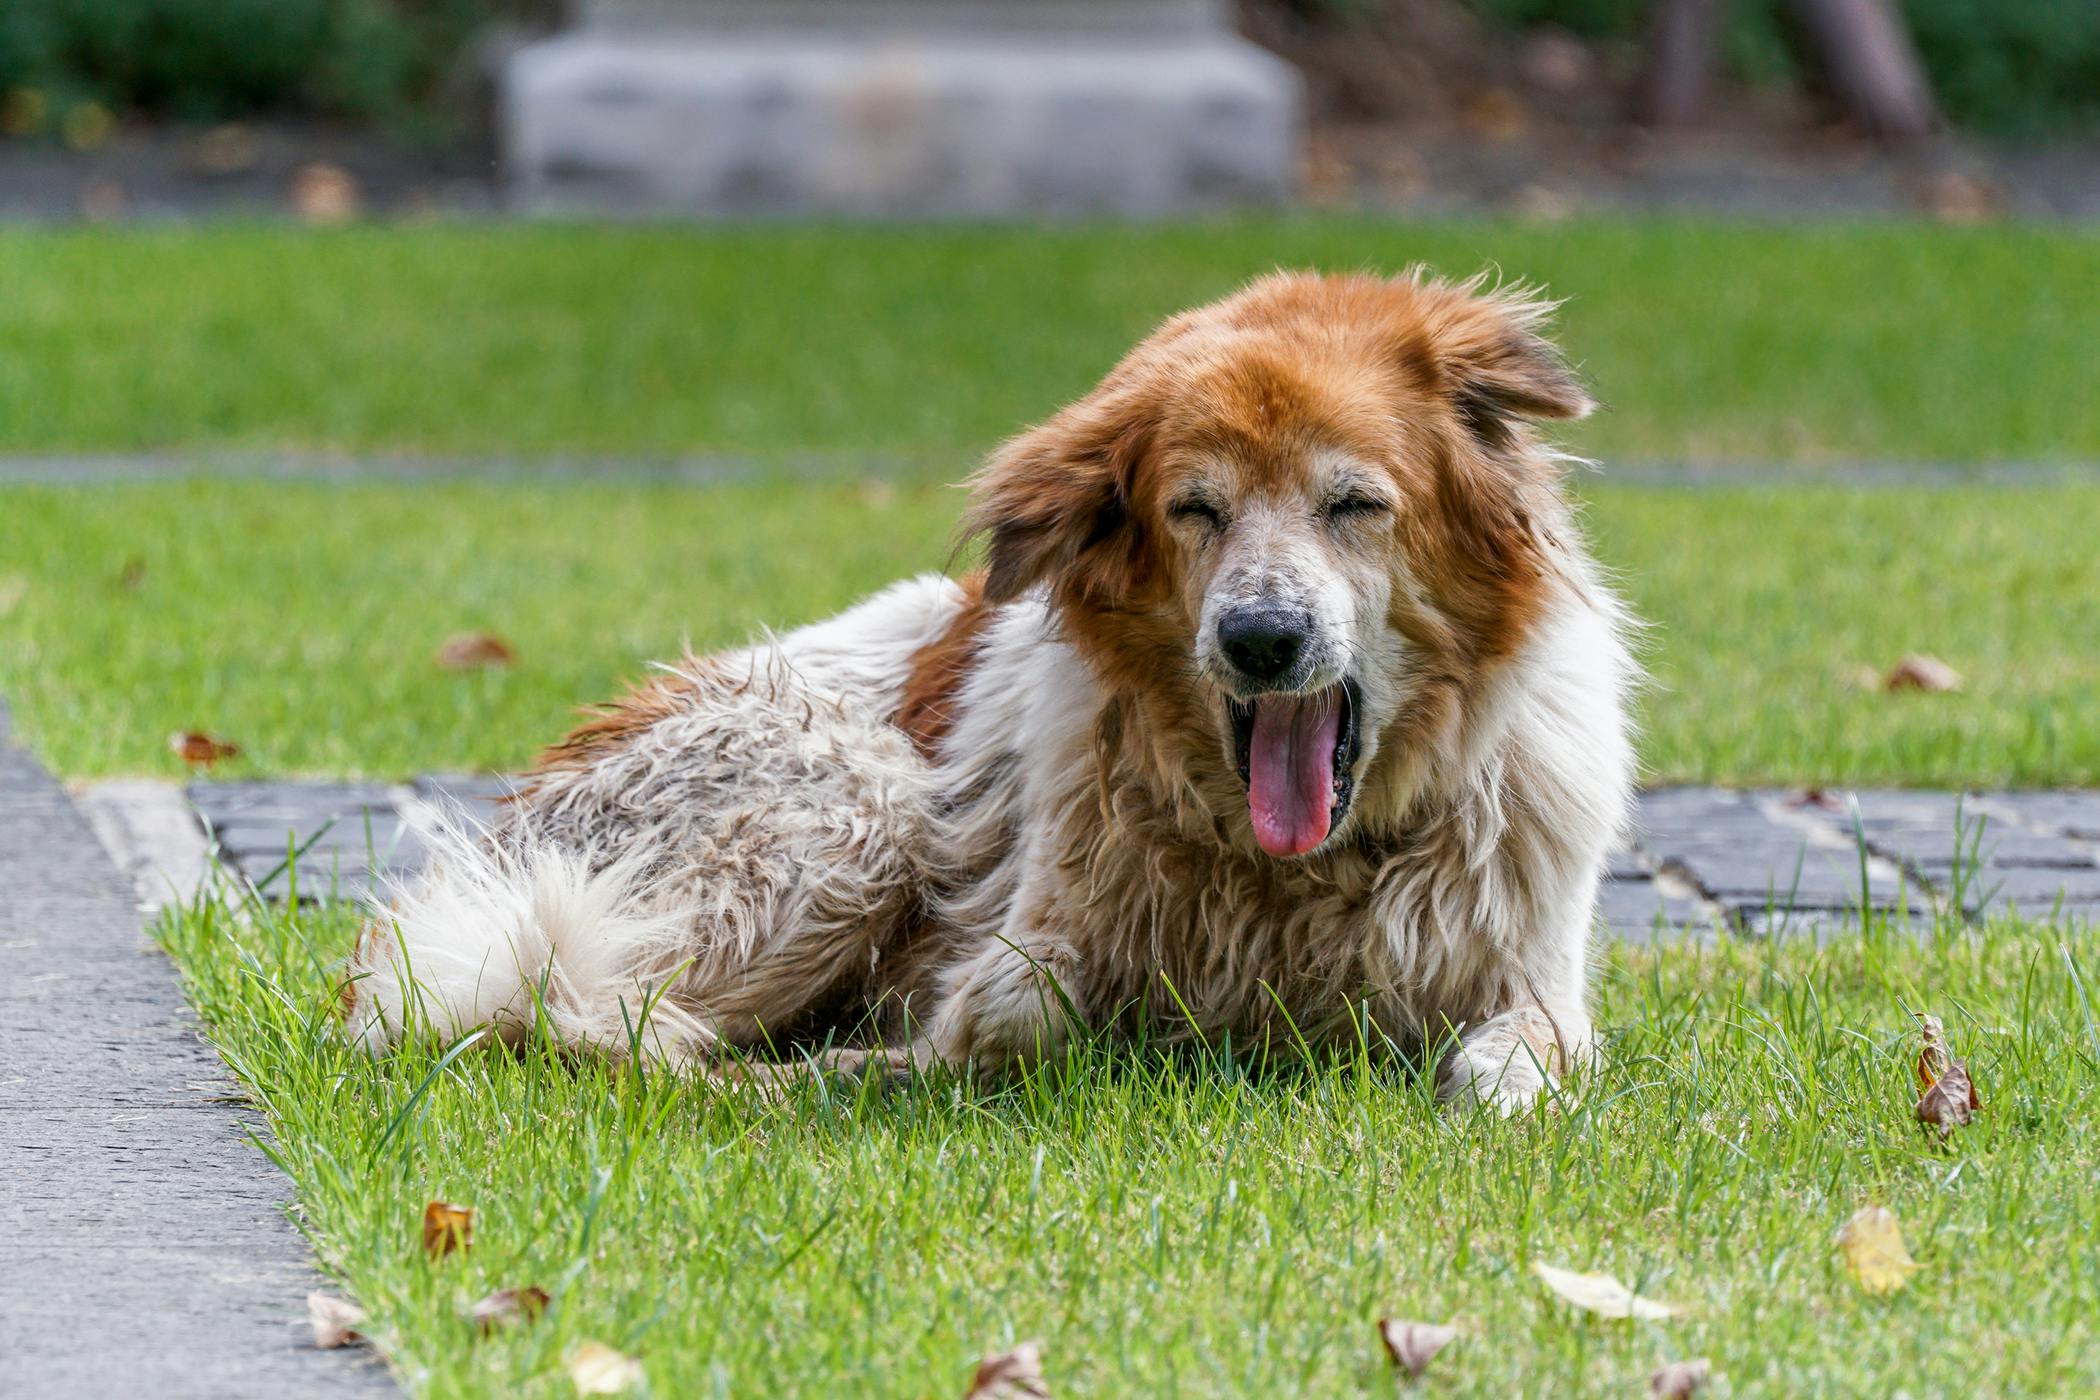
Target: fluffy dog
1288 704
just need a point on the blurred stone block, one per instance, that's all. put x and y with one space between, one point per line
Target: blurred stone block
899 109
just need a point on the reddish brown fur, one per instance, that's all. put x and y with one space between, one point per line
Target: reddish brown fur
927 710
617 721
1431 382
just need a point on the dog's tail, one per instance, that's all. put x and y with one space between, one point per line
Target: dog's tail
518 934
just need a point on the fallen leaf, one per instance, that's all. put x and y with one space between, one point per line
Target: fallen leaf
1011 1375
226 149
1922 672
466 650
201 750
1871 1243
1679 1380
447 1227
597 1369
507 1307
1602 1294
1413 1344
132 574
325 193
1947 1096
335 1320
1495 113
1951 1102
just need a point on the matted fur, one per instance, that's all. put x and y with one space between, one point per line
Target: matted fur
959 817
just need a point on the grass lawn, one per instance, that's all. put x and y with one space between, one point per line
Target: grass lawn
1181 1227
926 345
303 620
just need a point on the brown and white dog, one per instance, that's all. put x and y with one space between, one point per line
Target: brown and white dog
1288 703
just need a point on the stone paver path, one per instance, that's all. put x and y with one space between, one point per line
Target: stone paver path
142 1248
1702 858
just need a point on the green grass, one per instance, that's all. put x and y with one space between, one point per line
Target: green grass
925 345
1181 1226
302 620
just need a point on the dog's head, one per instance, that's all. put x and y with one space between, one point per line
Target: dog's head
1301 521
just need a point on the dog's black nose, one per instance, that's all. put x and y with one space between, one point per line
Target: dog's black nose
1263 641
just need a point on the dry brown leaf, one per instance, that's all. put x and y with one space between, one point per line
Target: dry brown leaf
132 574
335 1320
1871 1243
325 193
1932 1051
1947 1097
1011 1375
226 149
1495 113
1951 1101
1602 1294
201 750
464 651
1680 1380
507 1307
446 1228
596 1369
1921 672
1412 1345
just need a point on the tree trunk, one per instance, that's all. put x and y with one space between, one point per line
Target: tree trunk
1680 59
1872 65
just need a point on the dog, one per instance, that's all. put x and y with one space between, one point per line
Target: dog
1288 704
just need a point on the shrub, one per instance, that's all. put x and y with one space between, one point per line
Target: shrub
370 60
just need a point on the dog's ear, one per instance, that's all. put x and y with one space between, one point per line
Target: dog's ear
1499 368
1054 503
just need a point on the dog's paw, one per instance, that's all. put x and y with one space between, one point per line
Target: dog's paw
1503 1076
1507 1061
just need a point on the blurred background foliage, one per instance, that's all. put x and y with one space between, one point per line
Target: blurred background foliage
2005 68
407 66
2018 69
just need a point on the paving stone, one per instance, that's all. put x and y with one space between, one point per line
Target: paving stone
1628 863
143 1248
1640 909
2035 888
275 800
2075 814
1756 854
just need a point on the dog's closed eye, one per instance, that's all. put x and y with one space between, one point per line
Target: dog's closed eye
1199 510
1356 504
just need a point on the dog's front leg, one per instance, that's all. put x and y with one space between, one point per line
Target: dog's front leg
1014 999
1510 1058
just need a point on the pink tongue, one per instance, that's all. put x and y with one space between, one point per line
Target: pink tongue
1290 771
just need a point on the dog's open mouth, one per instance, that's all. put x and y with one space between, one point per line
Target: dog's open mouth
1297 756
